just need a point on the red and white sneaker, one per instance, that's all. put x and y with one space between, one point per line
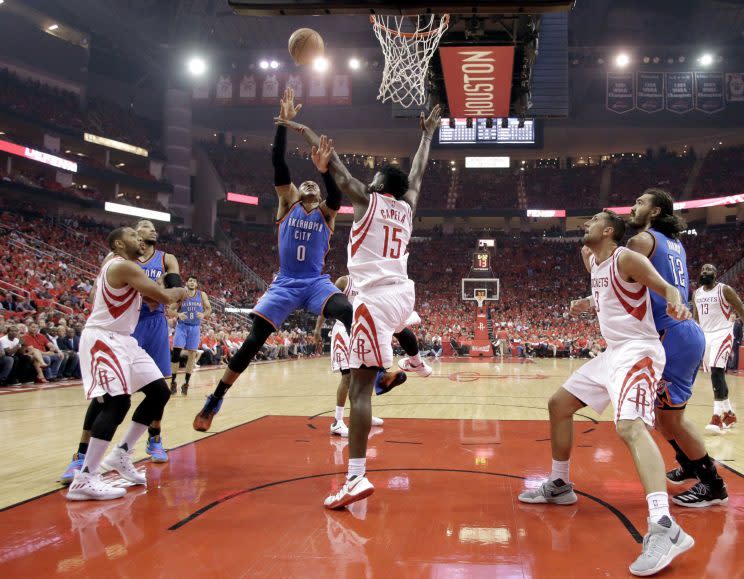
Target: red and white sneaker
354 489
422 369
729 419
715 425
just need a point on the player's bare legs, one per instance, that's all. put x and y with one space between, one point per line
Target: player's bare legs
562 406
674 426
645 453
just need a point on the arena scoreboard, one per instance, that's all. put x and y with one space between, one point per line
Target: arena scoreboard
478 134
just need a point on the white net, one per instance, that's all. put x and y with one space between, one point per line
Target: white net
408 43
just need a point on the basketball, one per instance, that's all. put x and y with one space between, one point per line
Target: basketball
304 45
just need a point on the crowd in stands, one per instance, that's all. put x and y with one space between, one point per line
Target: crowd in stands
630 175
721 173
64 109
569 188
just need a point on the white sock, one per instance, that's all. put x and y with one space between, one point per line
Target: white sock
94 456
357 467
658 506
718 407
559 470
726 405
339 414
415 360
136 430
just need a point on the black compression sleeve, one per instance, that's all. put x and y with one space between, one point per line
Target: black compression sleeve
172 280
278 149
333 197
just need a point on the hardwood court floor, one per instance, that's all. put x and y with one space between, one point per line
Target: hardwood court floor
247 501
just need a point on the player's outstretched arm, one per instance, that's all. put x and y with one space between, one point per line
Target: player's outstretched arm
733 299
637 267
129 273
418 165
285 189
206 305
321 156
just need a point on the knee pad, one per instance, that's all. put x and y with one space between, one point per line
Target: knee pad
259 333
112 414
151 408
176 356
339 308
94 409
720 388
407 340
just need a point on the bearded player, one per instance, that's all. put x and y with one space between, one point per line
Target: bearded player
378 264
305 227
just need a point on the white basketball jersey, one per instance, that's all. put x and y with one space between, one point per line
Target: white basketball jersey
623 308
114 310
351 291
714 312
378 244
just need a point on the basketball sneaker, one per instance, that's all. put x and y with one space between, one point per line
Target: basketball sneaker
663 542
203 420
679 476
377 421
77 464
715 425
555 492
185 389
355 489
340 429
173 388
422 369
729 419
155 449
386 381
120 460
89 487
702 495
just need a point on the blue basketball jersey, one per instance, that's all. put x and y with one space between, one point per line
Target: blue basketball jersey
154 268
192 306
304 240
670 260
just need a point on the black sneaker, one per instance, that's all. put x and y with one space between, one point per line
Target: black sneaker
173 388
679 476
185 389
702 495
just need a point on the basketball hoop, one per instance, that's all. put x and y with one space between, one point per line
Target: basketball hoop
408 43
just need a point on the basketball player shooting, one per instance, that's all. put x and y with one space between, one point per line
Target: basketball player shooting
306 224
378 264
626 375
113 366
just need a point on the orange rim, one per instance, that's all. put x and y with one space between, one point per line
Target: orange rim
444 19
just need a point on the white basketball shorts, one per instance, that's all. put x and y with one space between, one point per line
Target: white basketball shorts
114 364
379 312
718 346
339 348
626 375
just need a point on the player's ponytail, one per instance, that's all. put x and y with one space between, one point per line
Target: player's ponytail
666 222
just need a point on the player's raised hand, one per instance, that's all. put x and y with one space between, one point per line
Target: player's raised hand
289 124
429 124
287 109
321 154
678 311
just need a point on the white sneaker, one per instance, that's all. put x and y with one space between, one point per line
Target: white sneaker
340 429
354 489
377 421
120 460
89 487
422 369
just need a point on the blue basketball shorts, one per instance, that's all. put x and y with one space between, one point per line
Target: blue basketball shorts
287 294
187 336
151 334
684 344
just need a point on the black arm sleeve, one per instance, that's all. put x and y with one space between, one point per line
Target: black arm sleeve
172 280
278 149
333 197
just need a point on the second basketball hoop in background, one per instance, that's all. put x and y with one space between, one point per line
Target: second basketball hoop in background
305 45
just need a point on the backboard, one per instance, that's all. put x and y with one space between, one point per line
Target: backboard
315 7
480 290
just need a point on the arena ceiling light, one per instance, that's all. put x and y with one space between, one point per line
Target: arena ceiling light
52 27
274 64
197 65
264 64
321 64
354 63
137 211
622 60
706 59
